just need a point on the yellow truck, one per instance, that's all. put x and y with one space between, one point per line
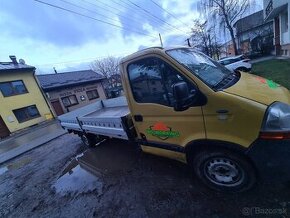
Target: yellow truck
232 128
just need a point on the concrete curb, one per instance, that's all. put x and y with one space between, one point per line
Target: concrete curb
28 147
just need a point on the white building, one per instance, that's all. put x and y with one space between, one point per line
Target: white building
279 11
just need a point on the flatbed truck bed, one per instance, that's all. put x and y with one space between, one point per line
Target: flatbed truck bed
104 118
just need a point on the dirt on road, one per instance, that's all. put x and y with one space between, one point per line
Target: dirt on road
65 179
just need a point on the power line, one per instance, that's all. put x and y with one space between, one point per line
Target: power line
114 13
85 60
101 21
168 12
131 7
92 11
148 12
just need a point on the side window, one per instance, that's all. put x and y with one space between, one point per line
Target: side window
146 81
226 62
152 81
171 77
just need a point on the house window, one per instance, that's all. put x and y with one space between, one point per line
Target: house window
13 88
69 100
26 113
93 94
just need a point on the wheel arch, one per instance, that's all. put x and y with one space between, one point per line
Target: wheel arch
244 69
193 147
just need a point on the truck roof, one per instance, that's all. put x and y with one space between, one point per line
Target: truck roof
147 51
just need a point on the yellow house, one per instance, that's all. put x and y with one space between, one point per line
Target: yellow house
22 103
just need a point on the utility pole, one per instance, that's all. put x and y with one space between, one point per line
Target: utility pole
160 40
188 42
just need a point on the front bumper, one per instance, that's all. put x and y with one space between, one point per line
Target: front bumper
271 158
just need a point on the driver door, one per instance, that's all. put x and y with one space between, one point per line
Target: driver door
161 128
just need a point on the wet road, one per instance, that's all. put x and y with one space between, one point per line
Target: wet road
64 179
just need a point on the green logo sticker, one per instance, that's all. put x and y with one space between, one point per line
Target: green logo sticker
162 131
272 84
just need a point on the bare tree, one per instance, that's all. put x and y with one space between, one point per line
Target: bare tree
226 13
109 68
204 38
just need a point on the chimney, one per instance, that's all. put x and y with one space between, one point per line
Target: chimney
55 70
13 59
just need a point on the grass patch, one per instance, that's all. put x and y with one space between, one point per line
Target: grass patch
276 70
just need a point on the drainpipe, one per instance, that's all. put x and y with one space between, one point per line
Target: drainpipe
43 94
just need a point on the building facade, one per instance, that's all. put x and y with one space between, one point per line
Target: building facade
71 90
22 103
279 12
227 49
254 34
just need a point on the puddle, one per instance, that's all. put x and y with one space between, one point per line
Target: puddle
3 170
76 180
85 173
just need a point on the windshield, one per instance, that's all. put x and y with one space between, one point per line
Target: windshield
206 69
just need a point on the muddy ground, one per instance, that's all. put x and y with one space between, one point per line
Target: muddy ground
64 179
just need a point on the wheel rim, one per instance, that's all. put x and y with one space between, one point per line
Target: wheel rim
223 171
85 140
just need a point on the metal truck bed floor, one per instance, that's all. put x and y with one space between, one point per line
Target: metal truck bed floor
110 112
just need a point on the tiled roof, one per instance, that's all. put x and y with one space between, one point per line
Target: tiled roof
57 80
9 66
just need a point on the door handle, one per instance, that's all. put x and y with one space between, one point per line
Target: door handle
222 111
138 118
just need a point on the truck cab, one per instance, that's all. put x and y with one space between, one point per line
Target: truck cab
228 126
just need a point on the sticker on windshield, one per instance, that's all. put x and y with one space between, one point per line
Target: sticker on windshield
162 131
270 83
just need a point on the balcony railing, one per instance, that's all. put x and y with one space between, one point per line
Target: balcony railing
269 8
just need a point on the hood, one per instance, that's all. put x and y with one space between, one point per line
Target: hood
259 89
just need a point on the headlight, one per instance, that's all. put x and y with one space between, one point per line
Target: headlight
277 118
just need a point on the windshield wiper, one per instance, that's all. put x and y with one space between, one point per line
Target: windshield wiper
225 80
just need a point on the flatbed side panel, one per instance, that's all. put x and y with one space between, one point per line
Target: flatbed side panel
71 126
106 131
107 126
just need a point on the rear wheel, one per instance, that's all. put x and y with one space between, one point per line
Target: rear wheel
223 170
89 140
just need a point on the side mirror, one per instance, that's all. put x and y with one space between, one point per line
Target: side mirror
182 96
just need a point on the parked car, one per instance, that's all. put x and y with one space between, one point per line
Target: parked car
239 62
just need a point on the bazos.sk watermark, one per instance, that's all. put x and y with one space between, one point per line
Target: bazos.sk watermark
251 211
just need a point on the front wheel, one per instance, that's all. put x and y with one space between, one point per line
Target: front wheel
223 170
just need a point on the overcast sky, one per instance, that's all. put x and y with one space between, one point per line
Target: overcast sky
48 37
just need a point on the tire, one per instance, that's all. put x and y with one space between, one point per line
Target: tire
88 140
223 170
243 69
